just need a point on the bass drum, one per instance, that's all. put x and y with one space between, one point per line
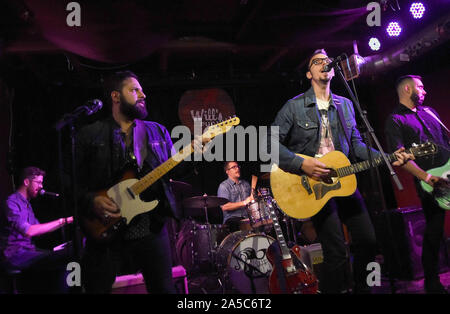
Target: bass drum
196 245
243 263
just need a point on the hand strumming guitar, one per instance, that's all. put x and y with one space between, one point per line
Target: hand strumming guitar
314 168
105 208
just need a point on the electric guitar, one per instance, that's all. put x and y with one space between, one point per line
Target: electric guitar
440 191
125 193
289 274
300 196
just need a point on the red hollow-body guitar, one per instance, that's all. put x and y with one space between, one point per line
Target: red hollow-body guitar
289 274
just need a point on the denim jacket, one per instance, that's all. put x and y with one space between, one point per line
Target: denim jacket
100 162
299 130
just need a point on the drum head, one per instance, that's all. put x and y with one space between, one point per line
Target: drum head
243 261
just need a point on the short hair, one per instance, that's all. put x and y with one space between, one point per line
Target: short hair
316 52
116 81
225 165
404 78
30 173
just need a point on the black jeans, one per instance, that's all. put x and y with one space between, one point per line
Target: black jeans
151 254
432 237
336 274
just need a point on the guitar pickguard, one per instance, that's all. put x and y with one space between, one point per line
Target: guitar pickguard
320 189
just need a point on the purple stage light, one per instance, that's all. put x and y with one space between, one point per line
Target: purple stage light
374 44
417 9
394 29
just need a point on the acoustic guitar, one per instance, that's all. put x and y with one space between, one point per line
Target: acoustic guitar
301 197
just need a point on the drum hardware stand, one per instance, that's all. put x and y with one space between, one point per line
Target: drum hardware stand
209 231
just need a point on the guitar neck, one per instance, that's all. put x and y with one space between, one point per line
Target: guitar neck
280 237
169 164
364 165
161 170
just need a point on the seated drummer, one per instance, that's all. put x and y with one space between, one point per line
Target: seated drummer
239 194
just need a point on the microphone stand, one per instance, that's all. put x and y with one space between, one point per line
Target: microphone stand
68 120
368 129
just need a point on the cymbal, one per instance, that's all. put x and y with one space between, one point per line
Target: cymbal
204 201
181 186
265 176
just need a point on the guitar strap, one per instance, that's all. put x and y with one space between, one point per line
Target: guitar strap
140 140
337 102
431 113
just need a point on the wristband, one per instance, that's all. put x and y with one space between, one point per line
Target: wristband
428 178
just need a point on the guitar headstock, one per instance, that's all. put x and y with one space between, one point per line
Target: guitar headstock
424 149
220 128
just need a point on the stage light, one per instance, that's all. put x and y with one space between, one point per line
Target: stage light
374 44
417 9
394 29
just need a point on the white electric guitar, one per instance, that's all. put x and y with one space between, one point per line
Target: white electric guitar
126 192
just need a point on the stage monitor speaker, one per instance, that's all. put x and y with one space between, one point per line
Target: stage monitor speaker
407 226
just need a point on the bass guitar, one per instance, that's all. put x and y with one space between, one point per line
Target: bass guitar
300 196
441 190
289 274
125 193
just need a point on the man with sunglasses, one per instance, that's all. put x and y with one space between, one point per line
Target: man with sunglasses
239 194
313 124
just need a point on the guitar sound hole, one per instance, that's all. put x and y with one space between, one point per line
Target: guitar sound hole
331 177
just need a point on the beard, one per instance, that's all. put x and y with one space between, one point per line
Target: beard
325 80
416 99
132 111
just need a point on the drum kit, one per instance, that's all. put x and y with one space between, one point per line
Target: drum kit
238 259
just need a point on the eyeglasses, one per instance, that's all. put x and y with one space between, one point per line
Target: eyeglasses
319 61
234 167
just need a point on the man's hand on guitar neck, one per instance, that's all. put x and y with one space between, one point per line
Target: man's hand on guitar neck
402 157
201 144
105 208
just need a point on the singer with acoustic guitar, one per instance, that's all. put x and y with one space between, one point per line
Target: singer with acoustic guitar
314 124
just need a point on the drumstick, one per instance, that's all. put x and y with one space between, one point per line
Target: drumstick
254 181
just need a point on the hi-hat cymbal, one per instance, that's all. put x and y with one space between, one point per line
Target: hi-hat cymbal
204 201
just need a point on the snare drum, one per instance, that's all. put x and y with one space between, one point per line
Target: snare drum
258 212
242 261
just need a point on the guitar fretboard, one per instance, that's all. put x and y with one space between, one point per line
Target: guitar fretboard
364 165
283 245
161 170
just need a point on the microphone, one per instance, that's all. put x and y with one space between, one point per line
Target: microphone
92 106
44 192
89 107
329 66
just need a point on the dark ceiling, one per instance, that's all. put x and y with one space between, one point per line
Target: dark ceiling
173 38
